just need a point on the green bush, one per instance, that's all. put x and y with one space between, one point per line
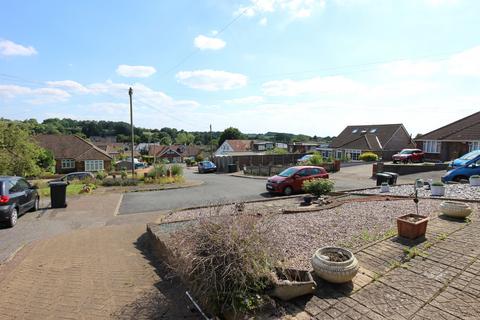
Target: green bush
475 176
108 182
101 175
124 174
316 159
176 170
368 156
199 157
158 170
437 184
318 187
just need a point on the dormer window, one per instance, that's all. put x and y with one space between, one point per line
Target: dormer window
364 131
354 130
373 130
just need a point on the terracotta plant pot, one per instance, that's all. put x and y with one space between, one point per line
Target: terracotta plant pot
412 226
331 271
291 283
455 209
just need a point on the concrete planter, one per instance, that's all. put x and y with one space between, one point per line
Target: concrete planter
384 188
474 181
291 283
331 271
412 226
455 209
437 191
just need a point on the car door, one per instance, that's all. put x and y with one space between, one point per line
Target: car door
300 177
28 193
17 193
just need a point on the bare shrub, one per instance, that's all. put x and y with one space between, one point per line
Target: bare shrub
225 262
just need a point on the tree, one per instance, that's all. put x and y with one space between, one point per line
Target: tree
230 134
19 154
185 138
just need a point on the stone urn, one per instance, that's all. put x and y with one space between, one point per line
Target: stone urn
455 209
437 189
384 188
334 264
291 283
474 180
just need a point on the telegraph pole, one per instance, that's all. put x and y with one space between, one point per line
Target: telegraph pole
211 144
130 93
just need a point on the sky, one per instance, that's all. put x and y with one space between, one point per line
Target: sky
298 66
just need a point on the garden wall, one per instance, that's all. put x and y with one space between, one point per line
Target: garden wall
403 169
268 171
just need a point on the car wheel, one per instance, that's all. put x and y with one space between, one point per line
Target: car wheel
395 161
13 217
459 178
36 205
288 191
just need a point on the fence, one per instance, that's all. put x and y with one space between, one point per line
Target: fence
268 171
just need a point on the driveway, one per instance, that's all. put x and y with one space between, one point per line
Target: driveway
217 188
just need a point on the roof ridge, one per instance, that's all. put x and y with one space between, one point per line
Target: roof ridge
452 123
91 145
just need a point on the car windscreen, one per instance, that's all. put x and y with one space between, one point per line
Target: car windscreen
287 172
471 155
406 152
2 188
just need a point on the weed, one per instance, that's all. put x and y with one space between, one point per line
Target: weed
442 236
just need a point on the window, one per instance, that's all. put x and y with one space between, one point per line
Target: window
68 164
431 146
474 145
19 186
373 130
354 130
93 165
353 154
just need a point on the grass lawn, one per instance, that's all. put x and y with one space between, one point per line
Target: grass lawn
72 189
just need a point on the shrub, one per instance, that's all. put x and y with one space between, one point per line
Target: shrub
159 170
368 156
475 176
108 182
318 187
176 170
437 184
277 151
124 174
199 157
101 175
225 262
316 159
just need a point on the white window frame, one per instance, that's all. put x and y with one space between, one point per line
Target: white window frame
94 165
431 146
473 145
67 164
354 153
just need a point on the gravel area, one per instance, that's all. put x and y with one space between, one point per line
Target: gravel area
454 191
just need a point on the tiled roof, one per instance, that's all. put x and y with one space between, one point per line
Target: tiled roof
240 145
374 137
71 147
465 129
184 151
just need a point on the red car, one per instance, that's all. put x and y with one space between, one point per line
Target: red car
408 155
291 180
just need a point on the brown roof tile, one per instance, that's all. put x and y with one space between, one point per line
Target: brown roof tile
374 140
240 145
465 129
70 147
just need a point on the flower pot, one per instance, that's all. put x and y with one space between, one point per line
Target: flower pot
291 283
455 209
384 188
419 183
437 191
474 181
307 199
332 271
412 226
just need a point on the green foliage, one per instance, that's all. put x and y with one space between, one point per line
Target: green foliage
176 170
318 187
230 134
19 153
368 156
158 170
277 151
109 182
316 159
200 157
437 184
124 174
475 176
101 175
185 138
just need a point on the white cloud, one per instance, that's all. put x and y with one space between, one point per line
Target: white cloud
211 80
135 71
69 85
316 85
296 8
10 91
207 43
34 96
466 63
412 68
263 22
246 100
10 48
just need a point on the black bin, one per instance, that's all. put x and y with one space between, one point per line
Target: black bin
58 194
393 177
383 177
232 168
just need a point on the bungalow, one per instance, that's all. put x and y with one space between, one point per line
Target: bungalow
303 147
383 139
173 153
231 147
453 140
73 153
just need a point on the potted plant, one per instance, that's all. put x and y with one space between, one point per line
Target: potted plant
334 264
455 209
412 225
437 189
419 183
307 199
384 187
292 283
475 180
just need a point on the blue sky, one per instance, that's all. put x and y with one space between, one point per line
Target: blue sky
300 66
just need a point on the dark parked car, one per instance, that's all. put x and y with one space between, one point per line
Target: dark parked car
291 180
17 196
76 176
206 166
408 155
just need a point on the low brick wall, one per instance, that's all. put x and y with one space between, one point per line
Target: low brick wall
403 169
268 171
